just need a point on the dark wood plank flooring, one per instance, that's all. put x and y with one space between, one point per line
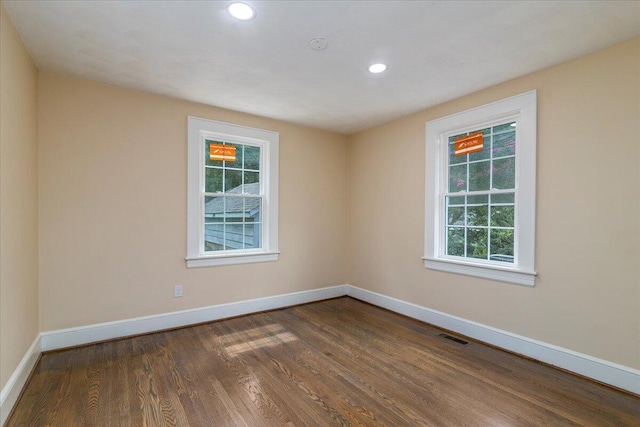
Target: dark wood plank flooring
337 362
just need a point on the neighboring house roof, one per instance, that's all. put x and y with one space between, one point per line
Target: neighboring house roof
235 204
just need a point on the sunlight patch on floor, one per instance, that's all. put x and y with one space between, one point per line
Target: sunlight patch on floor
251 339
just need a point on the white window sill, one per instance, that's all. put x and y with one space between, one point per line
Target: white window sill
231 259
501 274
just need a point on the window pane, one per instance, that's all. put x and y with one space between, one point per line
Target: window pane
213 237
457 200
504 145
504 173
478 200
484 154
252 209
477 243
504 127
478 215
479 176
232 181
252 236
213 209
207 160
455 241
233 236
453 159
234 209
502 216
251 183
455 215
212 180
458 178
486 150
502 245
251 157
502 198
238 162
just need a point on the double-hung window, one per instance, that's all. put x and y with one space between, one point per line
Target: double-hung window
232 194
480 191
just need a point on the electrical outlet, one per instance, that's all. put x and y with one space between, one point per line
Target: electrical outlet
177 291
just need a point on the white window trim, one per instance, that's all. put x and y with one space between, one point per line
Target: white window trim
522 109
199 129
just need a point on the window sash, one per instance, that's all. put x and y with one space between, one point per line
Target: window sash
204 137
224 223
444 228
446 193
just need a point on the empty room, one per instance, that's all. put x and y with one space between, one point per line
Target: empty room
319 213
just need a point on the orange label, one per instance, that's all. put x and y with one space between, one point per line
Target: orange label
469 144
222 152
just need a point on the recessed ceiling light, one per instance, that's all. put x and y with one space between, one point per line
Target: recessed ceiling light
377 68
241 11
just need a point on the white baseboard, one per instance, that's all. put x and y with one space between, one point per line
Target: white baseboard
604 371
63 338
11 391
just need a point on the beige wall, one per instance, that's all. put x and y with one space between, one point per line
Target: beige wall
18 200
587 295
113 181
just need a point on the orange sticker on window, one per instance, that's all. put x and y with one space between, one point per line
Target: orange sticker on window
468 144
222 152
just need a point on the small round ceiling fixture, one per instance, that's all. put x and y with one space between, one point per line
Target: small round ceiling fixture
241 11
377 68
318 44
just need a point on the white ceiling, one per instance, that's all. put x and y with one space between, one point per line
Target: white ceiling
436 50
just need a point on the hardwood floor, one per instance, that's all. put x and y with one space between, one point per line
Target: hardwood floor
336 362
